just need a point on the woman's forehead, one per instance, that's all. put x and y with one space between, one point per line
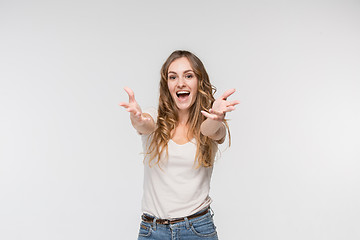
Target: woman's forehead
180 65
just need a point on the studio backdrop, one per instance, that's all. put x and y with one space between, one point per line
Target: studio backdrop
71 164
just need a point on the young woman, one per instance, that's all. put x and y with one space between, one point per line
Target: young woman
180 141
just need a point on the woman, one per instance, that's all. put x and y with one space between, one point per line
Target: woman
180 141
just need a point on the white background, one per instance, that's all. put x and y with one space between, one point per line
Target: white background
70 162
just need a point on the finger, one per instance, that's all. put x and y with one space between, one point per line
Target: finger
227 93
233 103
130 93
123 104
217 115
208 115
133 111
216 112
138 115
229 109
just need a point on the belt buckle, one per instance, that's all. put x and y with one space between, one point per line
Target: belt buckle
165 221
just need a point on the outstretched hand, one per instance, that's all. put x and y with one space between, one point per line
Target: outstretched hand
221 106
133 107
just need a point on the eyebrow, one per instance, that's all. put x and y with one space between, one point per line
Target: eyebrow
184 71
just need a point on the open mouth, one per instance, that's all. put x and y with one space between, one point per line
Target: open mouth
182 94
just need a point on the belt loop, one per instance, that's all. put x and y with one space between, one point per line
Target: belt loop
154 224
211 212
187 224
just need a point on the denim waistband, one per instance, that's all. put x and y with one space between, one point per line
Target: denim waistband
185 220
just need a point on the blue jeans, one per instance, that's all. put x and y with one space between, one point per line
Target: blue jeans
194 229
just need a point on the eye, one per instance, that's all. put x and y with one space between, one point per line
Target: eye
189 76
172 77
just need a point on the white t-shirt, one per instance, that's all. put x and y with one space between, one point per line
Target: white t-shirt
177 188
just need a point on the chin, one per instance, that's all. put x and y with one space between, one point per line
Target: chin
183 106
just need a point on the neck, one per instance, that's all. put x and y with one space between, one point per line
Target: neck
183 117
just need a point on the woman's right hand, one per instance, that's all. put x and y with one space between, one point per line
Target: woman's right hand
133 107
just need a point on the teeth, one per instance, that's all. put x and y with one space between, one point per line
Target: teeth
182 92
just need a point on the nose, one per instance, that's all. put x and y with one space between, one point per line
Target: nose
181 82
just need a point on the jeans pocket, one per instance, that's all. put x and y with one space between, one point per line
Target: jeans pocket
145 229
204 228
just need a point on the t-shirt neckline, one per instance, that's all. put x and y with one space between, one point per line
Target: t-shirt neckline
191 141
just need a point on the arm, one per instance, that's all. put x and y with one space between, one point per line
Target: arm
215 130
142 122
146 126
213 126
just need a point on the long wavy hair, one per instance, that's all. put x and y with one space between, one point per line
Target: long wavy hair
168 114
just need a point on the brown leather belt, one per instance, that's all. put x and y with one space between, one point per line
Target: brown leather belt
149 219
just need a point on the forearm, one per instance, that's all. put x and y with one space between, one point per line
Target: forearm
213 129
143 127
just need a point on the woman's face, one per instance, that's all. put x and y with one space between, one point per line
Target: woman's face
182 83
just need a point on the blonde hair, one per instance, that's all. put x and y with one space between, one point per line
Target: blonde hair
168 113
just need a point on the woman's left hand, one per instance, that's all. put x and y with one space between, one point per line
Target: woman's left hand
221 106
